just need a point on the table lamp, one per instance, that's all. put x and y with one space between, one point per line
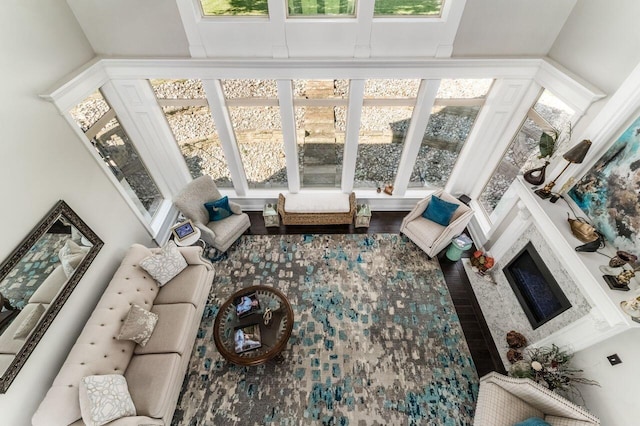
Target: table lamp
574 156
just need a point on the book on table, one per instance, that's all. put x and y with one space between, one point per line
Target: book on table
246 304
247 338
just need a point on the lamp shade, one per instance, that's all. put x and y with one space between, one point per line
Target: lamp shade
578 152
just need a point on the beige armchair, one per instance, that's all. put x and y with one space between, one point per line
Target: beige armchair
430 236
219 234
504 401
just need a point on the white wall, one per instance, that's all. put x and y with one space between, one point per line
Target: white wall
510 28
615 401
140 28
42 161
600 42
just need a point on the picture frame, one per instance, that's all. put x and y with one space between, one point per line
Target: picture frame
246 304
247 338
183 230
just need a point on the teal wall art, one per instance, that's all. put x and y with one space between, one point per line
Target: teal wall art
610 192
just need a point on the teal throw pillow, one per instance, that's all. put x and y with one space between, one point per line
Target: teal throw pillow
218 209
439 211
532 421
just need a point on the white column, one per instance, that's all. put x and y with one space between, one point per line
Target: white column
287 116
419 121
220 113
354 113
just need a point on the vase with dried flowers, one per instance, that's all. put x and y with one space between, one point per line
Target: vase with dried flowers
550 367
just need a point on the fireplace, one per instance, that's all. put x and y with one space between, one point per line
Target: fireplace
535 288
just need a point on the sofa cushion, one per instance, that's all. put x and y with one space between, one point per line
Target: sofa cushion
104 398
425 230
234 224
138 326
151 392
29 322
165 265
188 287
172 331
317 203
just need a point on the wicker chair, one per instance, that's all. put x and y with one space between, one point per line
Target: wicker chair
504 401
430 236
220 234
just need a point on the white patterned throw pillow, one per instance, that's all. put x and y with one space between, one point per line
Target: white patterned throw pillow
104 398
138 326
164 265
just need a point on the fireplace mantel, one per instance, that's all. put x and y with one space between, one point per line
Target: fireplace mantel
605 318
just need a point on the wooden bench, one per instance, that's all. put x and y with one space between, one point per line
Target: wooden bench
331 210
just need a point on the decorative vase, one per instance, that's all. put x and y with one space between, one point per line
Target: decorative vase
536 176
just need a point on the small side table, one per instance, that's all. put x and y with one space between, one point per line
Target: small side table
270 215
363 216
458 245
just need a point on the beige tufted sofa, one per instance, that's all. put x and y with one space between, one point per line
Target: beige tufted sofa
154 372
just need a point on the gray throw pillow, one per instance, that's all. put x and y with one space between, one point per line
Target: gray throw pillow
166 264
138 326
104 398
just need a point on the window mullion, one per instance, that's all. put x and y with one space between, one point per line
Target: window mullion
419 121
288 122
354 114
220 114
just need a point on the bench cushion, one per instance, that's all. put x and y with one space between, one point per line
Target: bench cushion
317 203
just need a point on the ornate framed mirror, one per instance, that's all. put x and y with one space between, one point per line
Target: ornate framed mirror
36 281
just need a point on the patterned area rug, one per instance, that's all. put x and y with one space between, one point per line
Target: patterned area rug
376 339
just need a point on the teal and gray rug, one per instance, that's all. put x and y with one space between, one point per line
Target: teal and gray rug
376 339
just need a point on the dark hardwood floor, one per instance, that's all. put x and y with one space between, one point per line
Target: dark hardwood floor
483 350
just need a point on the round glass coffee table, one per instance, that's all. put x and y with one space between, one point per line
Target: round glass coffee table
230 330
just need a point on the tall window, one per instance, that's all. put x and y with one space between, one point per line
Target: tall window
452 117
102 128
234 7
430 8
306 8
185 106
386 116
320 111
549 115
255 116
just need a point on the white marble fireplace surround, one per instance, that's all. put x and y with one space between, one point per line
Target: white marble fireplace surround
501 308
595 314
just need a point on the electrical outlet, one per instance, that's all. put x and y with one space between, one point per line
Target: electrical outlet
614 359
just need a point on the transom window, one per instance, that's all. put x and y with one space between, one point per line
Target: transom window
430 8
234 7
334 8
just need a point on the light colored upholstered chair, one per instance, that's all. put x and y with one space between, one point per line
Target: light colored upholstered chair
504 401
431 236
219 234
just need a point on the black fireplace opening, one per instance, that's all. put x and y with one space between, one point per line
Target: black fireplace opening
537 291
